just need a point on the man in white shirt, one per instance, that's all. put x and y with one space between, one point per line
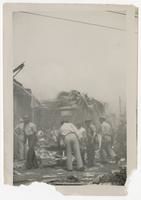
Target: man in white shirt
106 143
91 136
69 133
30 131
19 140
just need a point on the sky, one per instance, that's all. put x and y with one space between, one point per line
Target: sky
64 55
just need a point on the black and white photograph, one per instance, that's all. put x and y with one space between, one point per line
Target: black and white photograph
69 95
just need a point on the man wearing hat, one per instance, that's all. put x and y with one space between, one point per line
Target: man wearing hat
91 133
19 141
30 136
106 140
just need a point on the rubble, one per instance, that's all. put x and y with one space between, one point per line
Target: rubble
60 176
51 169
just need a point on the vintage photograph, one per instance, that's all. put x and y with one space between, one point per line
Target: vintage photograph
69 96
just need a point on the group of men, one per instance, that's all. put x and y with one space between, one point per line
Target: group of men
82 142
25 135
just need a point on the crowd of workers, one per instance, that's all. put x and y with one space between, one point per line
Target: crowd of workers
82 141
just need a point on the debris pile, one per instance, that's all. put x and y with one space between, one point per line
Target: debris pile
118 177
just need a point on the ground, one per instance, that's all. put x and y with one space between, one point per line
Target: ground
113 174
52 169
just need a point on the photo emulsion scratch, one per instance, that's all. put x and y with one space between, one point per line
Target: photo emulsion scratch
69 96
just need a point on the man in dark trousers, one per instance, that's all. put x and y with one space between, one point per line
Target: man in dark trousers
91 133
30 132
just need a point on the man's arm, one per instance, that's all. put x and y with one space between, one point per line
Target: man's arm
93 128
34 129
99 136
75 130
60 141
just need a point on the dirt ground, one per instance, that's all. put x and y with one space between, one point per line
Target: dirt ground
107 173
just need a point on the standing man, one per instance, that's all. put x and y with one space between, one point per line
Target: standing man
91 133
69 133
121 139
106 140
82 140
19 141
30 136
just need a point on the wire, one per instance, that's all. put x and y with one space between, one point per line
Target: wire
115 12
71 20
120 13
